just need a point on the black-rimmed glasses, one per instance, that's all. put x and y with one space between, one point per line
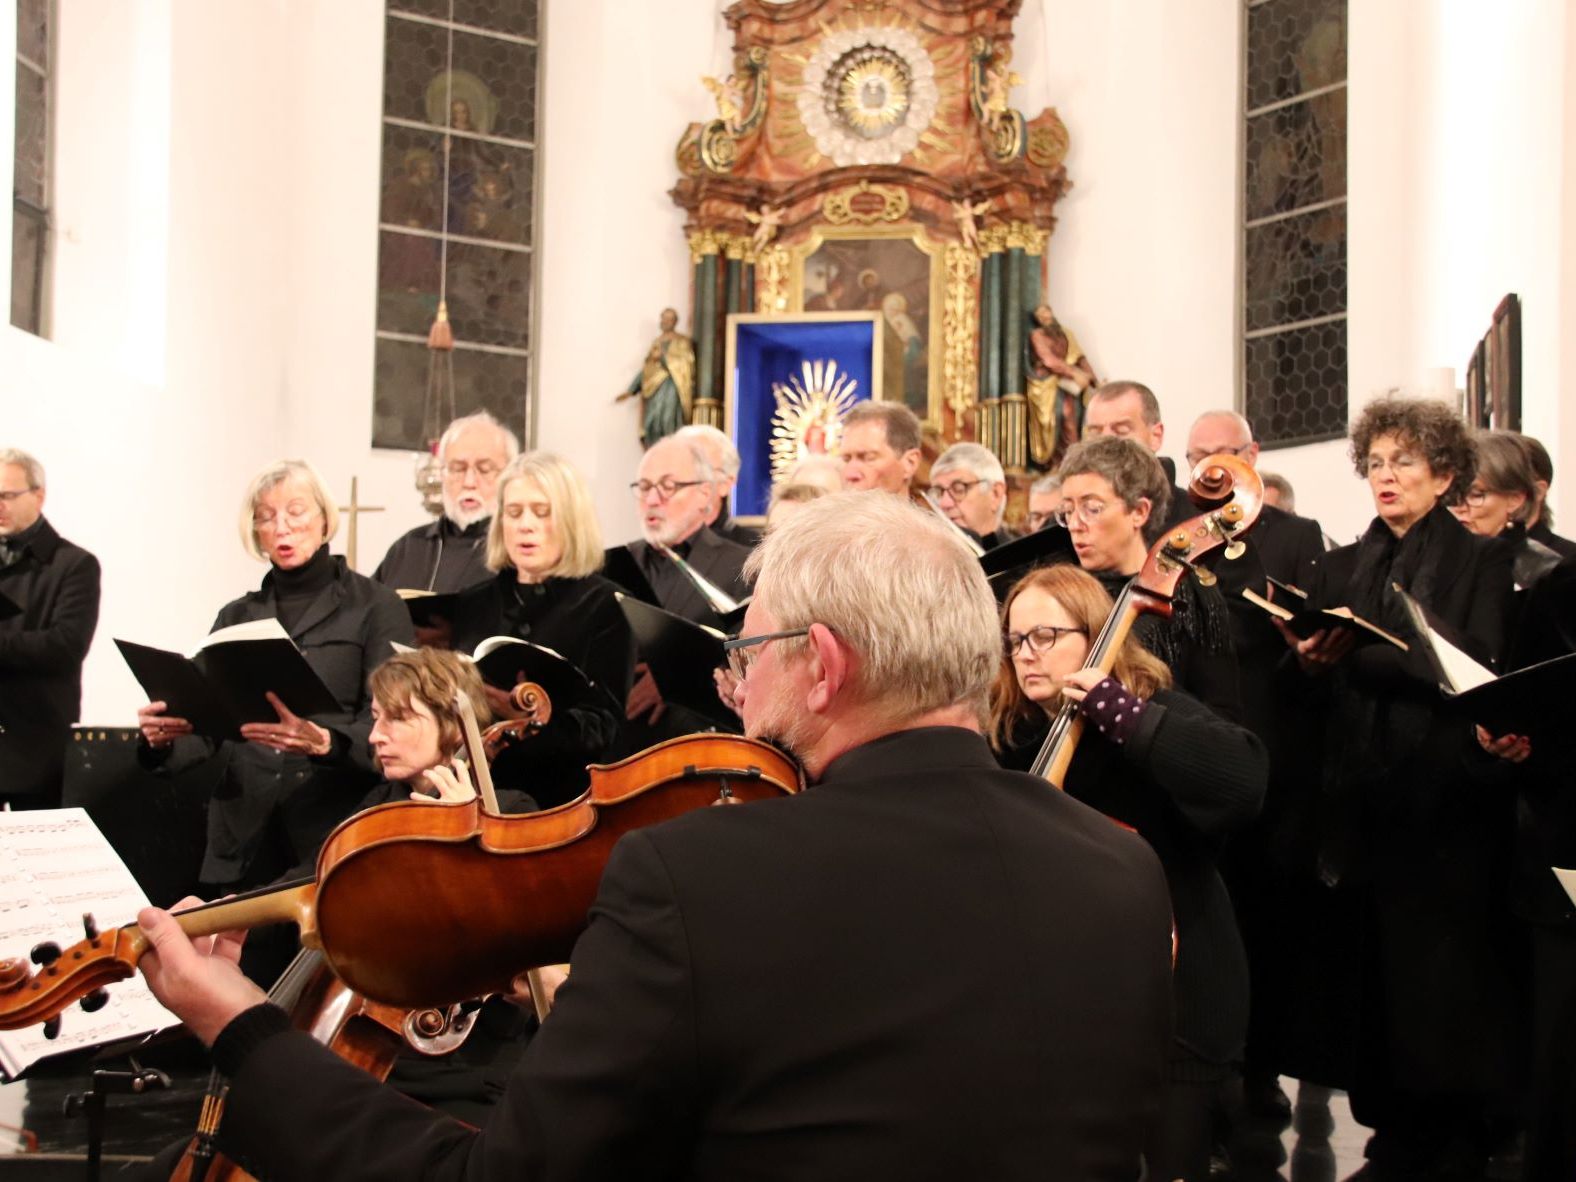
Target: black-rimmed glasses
743 650
1041 640
664 488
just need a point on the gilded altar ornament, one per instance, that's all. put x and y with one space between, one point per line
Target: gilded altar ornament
741 104
990 84
1048 140
866 204
868 94
810 411
959 320
771 279
964 212
666 382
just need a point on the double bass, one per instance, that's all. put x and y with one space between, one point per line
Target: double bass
1231 493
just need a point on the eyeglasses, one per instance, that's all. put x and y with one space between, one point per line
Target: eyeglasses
1038 518
292 519
482 468
1041 640
665 488
1087 511
1400 462
1195 458
957 490
1477 496
9 495
743 650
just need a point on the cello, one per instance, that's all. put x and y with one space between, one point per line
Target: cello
1231 493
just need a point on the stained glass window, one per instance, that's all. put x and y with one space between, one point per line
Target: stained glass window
456 217
30 181
1294 237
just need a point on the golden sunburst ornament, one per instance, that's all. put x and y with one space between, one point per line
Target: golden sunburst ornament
868 91
810 411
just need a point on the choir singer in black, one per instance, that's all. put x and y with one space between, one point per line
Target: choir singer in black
292 779
1417 826
545 548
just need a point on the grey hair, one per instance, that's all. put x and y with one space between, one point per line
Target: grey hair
975 457
1048 483
708 436
271 477
511 445
1236 418
1130 468
31 468
914 604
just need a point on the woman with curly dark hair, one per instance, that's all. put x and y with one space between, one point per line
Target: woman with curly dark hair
1416 825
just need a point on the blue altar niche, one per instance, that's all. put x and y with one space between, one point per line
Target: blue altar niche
763 350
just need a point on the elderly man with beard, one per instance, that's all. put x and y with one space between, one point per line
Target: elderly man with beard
675 490
924 967
450 554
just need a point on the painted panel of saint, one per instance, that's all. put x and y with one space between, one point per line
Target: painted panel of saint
886 275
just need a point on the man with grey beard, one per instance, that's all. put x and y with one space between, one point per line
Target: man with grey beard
450 554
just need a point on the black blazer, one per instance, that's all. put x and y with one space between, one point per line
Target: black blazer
921 968
56 584
271 811
715 557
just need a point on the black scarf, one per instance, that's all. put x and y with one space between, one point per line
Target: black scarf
14 548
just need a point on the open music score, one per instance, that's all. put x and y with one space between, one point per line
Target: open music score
55 866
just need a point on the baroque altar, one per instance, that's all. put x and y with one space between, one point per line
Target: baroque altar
866 157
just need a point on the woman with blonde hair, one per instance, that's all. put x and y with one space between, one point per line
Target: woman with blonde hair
546 547
1159 761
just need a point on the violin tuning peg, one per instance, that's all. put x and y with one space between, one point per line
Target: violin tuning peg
1206 578
90 925
95 1001
1234 550
52 1028
45 954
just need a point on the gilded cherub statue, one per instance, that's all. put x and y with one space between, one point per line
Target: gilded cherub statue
729 96
766 223
964 212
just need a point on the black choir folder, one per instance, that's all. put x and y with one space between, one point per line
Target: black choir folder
222 685
1305 621
681 655
1524 702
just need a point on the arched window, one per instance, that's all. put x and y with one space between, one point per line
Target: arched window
457 210
1294 237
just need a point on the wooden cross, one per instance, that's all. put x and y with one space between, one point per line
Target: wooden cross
355 509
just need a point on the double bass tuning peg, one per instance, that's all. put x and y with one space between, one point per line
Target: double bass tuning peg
1234 551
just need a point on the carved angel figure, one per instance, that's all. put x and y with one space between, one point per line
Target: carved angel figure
964 213
765 222
999 81
729 96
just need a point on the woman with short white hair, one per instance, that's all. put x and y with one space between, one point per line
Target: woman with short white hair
290 780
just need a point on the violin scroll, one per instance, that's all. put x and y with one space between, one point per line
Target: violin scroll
536 711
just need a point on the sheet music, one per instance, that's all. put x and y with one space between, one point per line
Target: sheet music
1567 880
54 866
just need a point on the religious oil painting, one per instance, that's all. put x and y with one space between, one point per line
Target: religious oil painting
890 275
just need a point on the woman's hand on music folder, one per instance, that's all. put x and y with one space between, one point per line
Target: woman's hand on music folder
158 728
1322 651
198 980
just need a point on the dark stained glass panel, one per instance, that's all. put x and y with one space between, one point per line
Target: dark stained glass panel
30 181
27 270
494 382
1294 46
1295 269
492 90
1295 384
1296 155
514 17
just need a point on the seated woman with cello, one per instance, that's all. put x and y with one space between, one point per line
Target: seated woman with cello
1155 759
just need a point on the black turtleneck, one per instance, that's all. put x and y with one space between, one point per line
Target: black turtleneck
294 590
